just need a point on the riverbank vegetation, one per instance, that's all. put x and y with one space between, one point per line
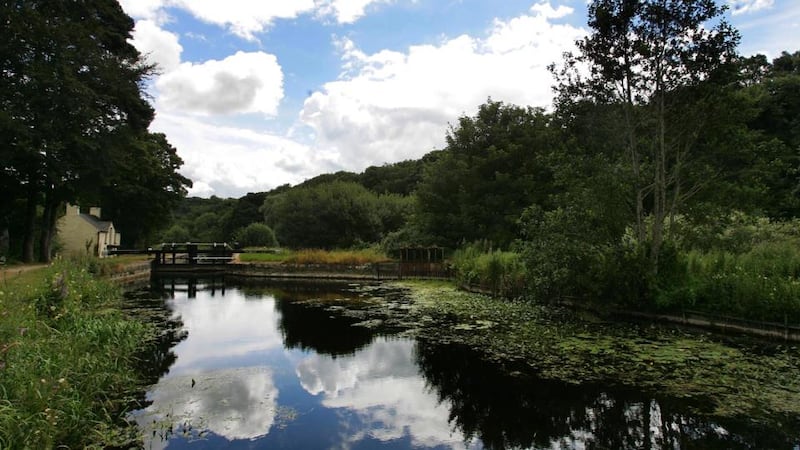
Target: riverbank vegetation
68 359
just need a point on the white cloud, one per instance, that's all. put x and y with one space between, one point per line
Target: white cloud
345 11
145 9
228 161
159 46
546 10
243 18
241 83
749 6
389 106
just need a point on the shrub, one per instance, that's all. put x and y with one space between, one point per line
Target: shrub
176 233
256 235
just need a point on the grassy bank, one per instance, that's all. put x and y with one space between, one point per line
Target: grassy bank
741 379
67 359
316 256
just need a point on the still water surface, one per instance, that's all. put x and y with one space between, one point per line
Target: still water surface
283 368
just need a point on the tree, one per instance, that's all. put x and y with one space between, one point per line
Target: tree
494 166
256 235
142 187
70 83
246 211
338 214
660 63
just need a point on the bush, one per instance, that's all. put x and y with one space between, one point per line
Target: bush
256 235
176 233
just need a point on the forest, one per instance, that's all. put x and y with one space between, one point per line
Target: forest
664 177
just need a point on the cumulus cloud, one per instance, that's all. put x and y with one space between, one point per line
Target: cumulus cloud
241 83
243 18
159 46
228 161
749 6
345 11
145 9
389 106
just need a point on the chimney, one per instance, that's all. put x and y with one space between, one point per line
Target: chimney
73 210
94 211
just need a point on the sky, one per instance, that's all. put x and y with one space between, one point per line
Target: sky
255 94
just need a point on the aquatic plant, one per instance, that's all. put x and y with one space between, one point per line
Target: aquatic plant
733 378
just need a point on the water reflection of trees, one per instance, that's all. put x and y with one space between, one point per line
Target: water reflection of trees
506 409
319 329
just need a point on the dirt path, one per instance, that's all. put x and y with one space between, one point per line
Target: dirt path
13 271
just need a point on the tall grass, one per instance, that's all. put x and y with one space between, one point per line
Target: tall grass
68 365
317 256
761 281
501 272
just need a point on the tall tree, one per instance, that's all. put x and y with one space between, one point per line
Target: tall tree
142 186
660 62
70 78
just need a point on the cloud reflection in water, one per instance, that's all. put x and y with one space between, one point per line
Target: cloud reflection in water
382 386
202 390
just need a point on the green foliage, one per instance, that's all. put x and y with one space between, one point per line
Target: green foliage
69 360
256 235
75 119
247 210
144 187
494 166
499 272
176 233
751 270
329 215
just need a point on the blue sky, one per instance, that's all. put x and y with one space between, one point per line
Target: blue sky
258 93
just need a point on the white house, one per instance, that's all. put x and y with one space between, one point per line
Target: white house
86 234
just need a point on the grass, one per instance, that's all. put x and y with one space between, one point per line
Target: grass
316 256
67 364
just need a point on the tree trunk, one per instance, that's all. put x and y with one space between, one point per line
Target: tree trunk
30 226
659 188
48 229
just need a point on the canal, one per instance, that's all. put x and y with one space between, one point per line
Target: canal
298 367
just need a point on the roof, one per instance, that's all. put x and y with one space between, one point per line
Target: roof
100 225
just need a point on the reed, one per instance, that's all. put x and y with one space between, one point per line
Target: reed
346 257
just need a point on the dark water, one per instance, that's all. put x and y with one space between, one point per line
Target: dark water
285 368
